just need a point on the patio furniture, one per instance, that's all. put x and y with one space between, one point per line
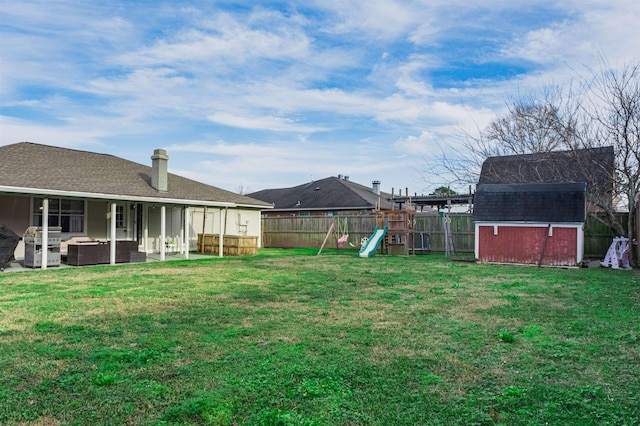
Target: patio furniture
87 253
98 253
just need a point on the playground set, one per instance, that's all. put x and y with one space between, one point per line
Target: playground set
394 234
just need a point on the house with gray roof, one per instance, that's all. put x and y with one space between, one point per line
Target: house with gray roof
108 198
330 196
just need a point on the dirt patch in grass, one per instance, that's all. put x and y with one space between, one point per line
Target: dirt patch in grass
385 355
42 421
473 308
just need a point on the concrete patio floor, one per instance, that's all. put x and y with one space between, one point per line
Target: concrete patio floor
18 264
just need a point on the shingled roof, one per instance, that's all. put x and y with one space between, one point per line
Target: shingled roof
594 166
35 168
332 193
531 202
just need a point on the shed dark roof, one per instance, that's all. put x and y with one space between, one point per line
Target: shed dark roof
332 193
595 166
43 167
531 202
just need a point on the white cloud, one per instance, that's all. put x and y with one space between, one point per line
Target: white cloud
593 29
416 145
57 44
234 150
70 136
281 164
276 124
375 18
221 41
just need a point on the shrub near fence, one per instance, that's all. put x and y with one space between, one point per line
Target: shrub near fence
310 232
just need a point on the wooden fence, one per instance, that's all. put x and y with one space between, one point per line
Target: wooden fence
597 237
310 232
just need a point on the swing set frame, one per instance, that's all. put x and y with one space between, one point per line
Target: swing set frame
340 240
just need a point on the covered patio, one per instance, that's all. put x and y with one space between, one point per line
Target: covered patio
130 211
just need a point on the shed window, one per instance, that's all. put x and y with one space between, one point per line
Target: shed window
65 213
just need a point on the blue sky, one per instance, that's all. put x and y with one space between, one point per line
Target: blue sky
249 95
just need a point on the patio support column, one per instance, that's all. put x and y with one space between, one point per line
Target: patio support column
186 234
222 228
181 245
112 243
259 231
45 233
163 231
145 232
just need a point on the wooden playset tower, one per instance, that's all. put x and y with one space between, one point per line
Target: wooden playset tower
400 231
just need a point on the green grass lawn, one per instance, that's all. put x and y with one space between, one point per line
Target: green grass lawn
289 338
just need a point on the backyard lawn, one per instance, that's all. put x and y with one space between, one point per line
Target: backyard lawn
289 338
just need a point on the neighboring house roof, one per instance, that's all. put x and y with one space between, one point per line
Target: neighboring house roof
530 202
595 166
332 193
41 169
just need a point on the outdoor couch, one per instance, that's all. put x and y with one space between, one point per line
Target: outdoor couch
79 251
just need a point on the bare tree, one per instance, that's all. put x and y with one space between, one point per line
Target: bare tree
532 124
545 132
242 189
615 107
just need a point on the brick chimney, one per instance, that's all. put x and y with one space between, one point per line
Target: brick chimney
159 179
376 187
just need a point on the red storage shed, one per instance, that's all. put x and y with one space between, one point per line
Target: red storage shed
531 223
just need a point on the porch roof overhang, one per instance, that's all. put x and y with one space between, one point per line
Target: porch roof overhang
116 197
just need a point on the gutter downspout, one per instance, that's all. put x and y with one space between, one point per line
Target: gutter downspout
163 231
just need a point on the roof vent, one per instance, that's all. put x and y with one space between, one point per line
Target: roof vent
159 178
